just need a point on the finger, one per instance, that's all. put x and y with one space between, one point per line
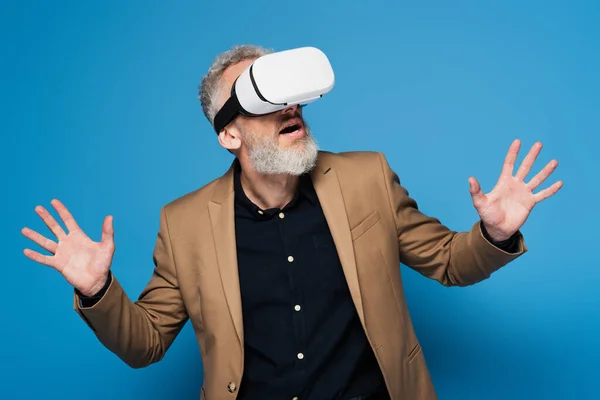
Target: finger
44 242
38 257
476 193
542 175
108 231
528 161
511 157
65 215
50 222
544 194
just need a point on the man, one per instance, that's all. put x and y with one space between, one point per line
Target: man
288 265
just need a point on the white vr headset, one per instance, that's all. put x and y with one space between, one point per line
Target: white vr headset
276 81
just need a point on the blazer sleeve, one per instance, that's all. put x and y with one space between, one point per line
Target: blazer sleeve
437 252
140 332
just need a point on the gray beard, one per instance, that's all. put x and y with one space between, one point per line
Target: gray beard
268 157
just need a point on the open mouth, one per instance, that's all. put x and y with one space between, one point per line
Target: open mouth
293 127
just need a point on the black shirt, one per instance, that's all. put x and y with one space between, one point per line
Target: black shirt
302 335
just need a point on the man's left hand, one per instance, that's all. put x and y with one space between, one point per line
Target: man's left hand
505 209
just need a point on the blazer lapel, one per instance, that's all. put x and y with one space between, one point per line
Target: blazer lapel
222 218
327 186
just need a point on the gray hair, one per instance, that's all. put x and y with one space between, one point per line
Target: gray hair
210 88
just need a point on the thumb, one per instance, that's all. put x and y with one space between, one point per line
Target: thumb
108 232
476 193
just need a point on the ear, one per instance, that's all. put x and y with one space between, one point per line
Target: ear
229 138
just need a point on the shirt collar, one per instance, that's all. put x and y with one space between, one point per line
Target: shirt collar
305 191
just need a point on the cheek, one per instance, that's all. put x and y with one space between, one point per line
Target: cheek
262 128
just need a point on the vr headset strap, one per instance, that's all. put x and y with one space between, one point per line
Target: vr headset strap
227 113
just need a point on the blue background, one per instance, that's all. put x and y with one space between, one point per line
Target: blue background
99 109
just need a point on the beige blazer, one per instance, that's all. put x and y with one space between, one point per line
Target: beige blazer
375 226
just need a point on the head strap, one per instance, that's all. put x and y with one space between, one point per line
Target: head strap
227 113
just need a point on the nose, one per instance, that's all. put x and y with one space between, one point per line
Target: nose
290 109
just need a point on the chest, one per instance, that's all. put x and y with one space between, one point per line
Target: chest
291 251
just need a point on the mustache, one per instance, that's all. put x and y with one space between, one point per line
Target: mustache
286 119
295 115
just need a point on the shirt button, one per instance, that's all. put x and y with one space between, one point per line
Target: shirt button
300 356
281 215
297 307
290 259
231 387
295 398
260 212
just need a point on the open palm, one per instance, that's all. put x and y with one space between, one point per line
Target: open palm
83 262
505 209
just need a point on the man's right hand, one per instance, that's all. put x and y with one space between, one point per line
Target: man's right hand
85 264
